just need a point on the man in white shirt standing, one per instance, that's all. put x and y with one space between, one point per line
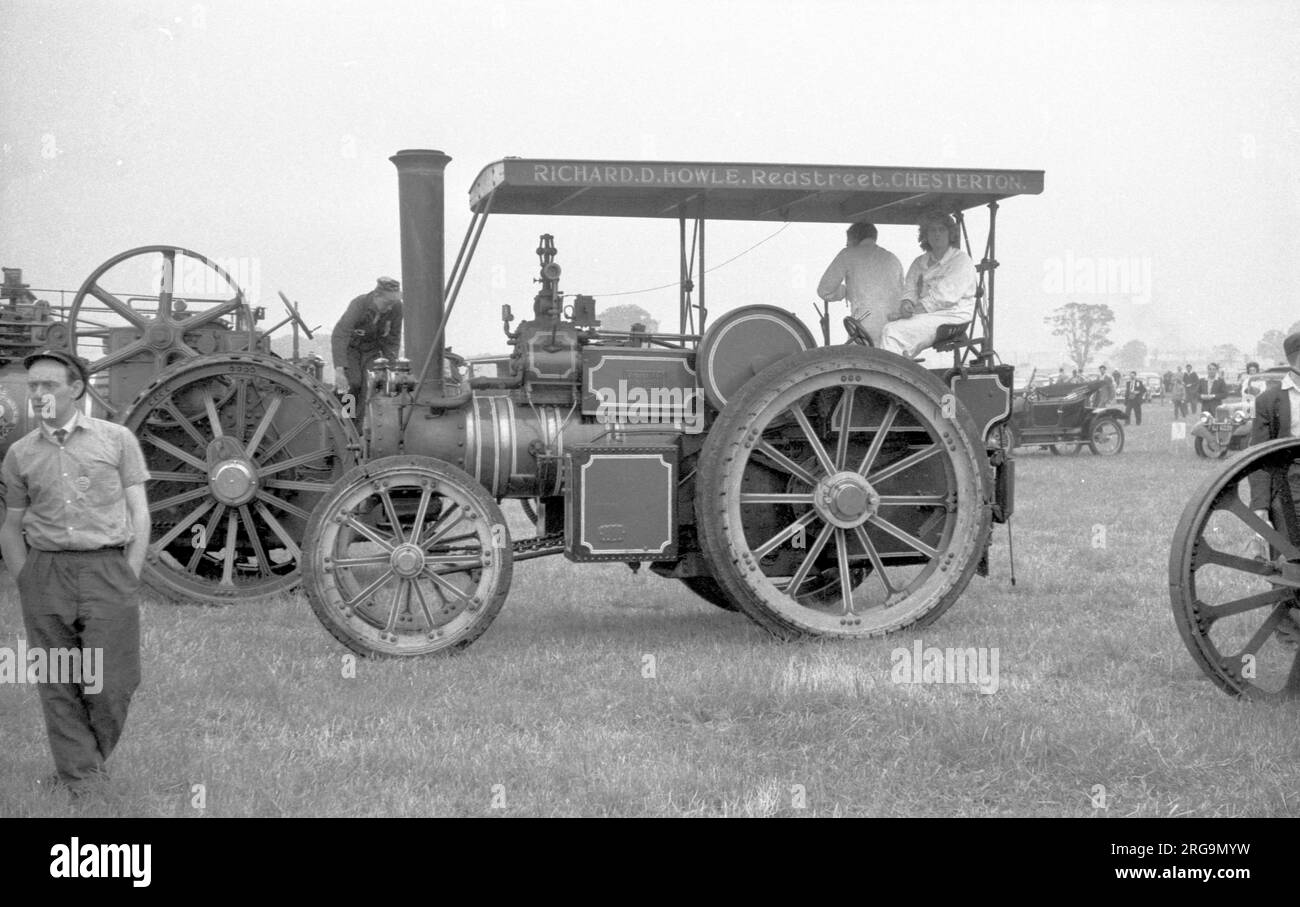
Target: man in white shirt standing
939 288
869 276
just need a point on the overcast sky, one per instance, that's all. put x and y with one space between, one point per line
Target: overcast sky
259 133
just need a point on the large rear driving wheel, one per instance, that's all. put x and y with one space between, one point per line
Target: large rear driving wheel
844 492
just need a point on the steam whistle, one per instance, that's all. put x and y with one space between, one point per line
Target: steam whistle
548 303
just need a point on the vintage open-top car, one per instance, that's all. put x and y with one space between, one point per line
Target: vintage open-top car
1063 418
1228 428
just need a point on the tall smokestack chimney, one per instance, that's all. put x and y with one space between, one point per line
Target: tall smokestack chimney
420 207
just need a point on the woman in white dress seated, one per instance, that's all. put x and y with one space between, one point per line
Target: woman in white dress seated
939 288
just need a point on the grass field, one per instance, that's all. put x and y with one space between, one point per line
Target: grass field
247 710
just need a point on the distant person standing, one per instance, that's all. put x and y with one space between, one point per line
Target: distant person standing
1075 377
1191 387
1212 388
1167 382
1178 394
1135 391
870 277
370 328
1060 376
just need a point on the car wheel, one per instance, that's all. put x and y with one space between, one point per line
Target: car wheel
1209 448
1107 437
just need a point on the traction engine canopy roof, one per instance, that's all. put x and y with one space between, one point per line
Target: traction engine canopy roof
809 193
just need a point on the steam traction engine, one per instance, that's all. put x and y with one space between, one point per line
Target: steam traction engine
829 491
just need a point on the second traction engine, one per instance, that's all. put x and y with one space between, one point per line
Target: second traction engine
587 423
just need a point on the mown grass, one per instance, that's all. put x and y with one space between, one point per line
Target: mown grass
550 713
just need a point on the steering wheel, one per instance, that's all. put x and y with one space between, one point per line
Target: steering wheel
293 313
857 333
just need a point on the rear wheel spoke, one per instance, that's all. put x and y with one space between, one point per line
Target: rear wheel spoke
903 536
818 449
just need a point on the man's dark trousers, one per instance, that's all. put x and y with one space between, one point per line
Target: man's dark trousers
84 600
1132 407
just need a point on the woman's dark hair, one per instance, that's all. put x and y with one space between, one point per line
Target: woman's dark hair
938 217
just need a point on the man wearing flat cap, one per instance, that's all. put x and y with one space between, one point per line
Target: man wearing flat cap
1277 415
75 536
371 328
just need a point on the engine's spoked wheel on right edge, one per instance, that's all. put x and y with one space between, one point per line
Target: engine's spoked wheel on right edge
843 493
407 555
1234 580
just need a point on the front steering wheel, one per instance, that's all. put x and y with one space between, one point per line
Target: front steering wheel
857 333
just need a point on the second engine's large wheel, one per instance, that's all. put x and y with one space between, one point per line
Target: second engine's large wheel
408 555
240 447
1234 579
843 492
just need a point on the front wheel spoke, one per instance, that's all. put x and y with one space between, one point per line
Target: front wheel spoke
424 604
395 606
362 529
421 511
913 500
877 442
1263 528
267 469
903 536
288 508
755 497
904 464
369 590
263 566
846 575
391 512
814 552
373 560
818 449
440 529
877 565
298 485
165 503
1249 603
781 461
454 563
168 448
184 524
785 534
443 586
846 419
280 532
